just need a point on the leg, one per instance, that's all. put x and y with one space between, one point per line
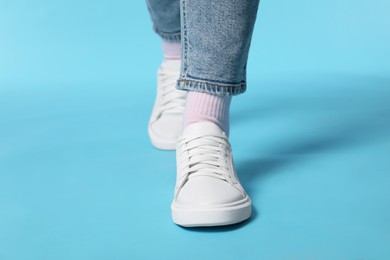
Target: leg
216 39
166 121
165 16
215 43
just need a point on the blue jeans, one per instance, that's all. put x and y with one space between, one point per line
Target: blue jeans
215 36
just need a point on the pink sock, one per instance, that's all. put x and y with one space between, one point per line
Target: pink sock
207 107
171 50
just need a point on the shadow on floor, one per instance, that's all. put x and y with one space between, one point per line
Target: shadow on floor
355 112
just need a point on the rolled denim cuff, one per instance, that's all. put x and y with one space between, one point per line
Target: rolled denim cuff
169 37
215 88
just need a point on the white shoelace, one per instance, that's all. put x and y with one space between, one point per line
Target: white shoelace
205 155
173 100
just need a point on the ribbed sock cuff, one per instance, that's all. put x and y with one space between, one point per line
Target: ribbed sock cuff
171 51
208 107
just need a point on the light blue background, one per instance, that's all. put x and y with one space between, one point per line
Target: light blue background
311 137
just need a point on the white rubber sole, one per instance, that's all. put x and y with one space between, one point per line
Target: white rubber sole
212 216
160 142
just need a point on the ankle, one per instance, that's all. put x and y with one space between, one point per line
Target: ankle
207 107
171 50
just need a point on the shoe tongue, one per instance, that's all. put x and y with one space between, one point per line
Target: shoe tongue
200 128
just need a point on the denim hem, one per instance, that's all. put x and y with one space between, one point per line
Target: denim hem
169 37
220 89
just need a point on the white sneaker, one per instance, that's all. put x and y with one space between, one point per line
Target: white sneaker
207 192
166 121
